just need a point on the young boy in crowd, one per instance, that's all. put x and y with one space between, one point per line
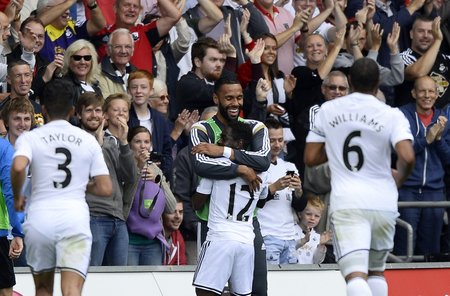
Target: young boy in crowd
311 248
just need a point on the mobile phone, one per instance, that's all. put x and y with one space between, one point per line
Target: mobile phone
280 108
292 173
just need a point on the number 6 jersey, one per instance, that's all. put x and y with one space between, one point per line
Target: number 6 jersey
66 157
359 132
231 208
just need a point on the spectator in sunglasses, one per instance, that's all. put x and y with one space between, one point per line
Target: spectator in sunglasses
81 67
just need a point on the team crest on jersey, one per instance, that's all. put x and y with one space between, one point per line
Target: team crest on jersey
69 33
442 68
441 82
135 36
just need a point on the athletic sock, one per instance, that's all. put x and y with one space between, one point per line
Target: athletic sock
358 287
378 285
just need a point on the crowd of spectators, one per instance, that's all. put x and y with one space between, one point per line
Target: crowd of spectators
144 73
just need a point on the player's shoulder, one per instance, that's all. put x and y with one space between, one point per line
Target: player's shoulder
256 125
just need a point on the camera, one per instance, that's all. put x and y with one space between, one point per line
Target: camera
291 173
155 156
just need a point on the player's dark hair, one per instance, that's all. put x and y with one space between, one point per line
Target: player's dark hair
238 132
364 76
59 95
223 80
272 123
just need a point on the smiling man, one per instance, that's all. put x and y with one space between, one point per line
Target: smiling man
229 98
426 183
424 57
176 255
145 36
116 66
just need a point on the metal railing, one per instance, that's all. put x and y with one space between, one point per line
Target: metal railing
409 230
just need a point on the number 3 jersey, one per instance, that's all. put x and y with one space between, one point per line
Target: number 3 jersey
62 159
359 132
231 208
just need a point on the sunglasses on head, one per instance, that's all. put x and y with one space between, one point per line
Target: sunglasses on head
78 58
336 87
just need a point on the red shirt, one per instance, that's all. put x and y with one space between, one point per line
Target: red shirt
426 119
145 37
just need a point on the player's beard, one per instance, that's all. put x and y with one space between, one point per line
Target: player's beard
224 112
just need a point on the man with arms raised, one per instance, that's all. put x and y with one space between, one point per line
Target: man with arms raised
358 131
64 158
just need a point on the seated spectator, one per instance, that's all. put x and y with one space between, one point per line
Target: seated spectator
81 67
426 183
311 248
175 254
140 85
60 30
144 223
116 66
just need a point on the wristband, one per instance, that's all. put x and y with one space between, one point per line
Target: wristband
355 44
226 152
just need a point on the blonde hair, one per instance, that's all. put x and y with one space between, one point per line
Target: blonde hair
158 86
77 46
316 202
118 96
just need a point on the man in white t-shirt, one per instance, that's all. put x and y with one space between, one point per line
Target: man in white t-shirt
276 217
66 162
359 132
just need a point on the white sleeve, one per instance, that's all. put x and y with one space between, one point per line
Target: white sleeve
205 186
317 133
23 146
400 127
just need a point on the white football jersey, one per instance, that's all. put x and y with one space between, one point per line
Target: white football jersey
276 218
359 132
63 158
231 208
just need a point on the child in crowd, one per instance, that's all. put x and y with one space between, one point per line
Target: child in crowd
311 247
